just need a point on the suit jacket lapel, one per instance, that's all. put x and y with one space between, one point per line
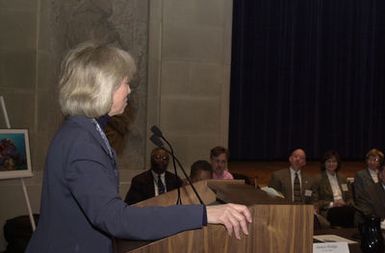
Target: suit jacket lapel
167 178
327 188
150 189
288 184
342 181
369 176
87 124
381 195
171 181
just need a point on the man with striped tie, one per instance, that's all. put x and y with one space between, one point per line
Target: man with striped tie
293 182
154 181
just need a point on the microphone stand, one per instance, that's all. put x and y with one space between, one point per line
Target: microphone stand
155 139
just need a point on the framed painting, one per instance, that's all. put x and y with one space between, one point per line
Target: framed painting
15 159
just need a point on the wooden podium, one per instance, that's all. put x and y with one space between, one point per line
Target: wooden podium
277 227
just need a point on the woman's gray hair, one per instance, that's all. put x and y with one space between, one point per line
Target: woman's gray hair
89 76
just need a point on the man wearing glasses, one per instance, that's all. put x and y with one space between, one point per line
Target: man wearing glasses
154 181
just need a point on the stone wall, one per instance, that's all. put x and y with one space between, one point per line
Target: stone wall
189 74
182 49
19 24
34 35
124 24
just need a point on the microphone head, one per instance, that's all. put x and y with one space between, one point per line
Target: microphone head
157 142
155 130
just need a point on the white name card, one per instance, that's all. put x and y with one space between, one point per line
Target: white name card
331 247
308 193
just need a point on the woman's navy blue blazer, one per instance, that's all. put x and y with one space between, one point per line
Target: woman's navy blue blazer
81 210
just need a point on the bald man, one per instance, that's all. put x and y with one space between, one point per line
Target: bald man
293 182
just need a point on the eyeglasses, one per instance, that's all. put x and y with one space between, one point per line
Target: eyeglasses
159 157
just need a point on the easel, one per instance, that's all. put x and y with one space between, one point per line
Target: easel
21 179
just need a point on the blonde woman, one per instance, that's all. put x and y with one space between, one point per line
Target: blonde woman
81 210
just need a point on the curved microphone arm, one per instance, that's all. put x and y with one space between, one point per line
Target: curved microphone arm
156 140
178 200
186 175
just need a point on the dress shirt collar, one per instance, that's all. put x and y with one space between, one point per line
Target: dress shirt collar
330 175
373 174
162 176
292 172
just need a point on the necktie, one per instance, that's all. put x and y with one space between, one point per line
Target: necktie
161 188
297 189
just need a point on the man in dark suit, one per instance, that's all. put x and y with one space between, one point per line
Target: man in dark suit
293 183
154 181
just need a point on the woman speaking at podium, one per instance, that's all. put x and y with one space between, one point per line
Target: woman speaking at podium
81 210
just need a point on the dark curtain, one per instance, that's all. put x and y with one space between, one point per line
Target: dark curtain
307 73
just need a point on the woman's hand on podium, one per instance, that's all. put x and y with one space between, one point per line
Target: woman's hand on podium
234 217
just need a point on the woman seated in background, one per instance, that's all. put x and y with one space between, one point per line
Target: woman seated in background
333 192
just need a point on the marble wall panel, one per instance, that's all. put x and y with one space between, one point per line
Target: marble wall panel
18 69
27 5
184 114
17 29
202 44
201 12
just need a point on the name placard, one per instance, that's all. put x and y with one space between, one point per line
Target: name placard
331 247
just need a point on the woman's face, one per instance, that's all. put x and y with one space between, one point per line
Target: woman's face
373 162
119 98
331 165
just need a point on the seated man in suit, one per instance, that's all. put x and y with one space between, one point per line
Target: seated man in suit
297 186
364 179
154 181
293 182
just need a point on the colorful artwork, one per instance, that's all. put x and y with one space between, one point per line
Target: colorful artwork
14 154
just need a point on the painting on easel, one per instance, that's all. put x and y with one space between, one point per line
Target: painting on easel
15 160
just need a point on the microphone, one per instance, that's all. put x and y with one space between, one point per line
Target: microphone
155 139
156 131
